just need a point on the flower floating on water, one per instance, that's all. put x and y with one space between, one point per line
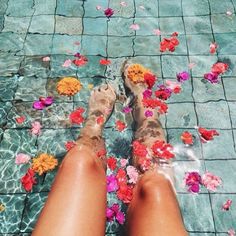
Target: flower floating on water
134 27
132 174
120 126
183 76
175 87
163 92
69 145
67 63
227 205
187 138
114 212
136 73
193 180
42 103
213 47
147 93
111 163
2 207
105 62
36 128
212 77
112 184
20 119
127 109
207 135
76 117
80 60
211 181
44 163
231 232
28 180
148 113
45 59
22 158
108 12
169 44
155 103
157 32
149 79
68 86
123 162
162 150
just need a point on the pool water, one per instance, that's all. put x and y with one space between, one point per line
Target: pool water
31 30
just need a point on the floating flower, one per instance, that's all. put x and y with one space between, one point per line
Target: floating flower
212 77
28 180
211 181
112 184
231 232
69 145
147 93
68 86
99 8
76 117
127 109
121 176
175 87
139 149
123 4
207 135
227 205
105 62
132 174
44 163
148 113
45 59
191 65
136 73
120 126
162 150
149 79
22 158
163 92
112 163
2 207
169 44
108 12
213 47
114 212
42 103
183 76
229 13
193 180
20 119
123 162
157 32
36 128
125 193
67 63
187 138
134 27
80 60
219 68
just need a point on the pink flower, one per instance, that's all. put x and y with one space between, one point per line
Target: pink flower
211 181
227 205
193 181
212 77
109 214
127 109
36 128
45 59
123 162
108 12
231 232
134 27
175 87
22 158
147 93
213 47
157 32
183 76
191 65
99 8
120 217
112 184
132 174
229 13
148 113
67 63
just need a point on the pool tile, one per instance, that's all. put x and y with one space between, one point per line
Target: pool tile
16 24
197 24
147 25
145 8
224 6
195 7
231 61
140 45
226 43
41 8
4 110
126 12
3 6
229 83
14 6
90 26
169 25
123 29
213 115
223 23
8 87
232 107
170 8
42 24
70 8
10 42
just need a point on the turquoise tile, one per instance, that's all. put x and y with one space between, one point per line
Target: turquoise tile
10 219
201 234
3 6
120 11
16 24
41 8
13 8
232 106
205 91
192 207
10 42
141 42
120 47
213 115
231 61
215 150
147 25
224 6
195 7
34 205
171 65
42 24
197 24
170 8
224 220
4 109
70 8
225 169
226 43
169 25
145 8
123 29
90 9
199 44
1 23
90 26
7 88
223 23
181 115
229 83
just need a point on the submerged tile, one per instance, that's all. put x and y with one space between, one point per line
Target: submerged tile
195 7
4 110
14 6
197 24
70 8
42 24
141 42
229 83
7 88
226 43
122 30
170 8
90 26
169 25
16 24
146 8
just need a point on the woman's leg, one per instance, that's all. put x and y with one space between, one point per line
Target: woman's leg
76 204
154 209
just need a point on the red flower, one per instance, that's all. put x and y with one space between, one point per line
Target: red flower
139 149
149 79
80 61
163 92
120 126
177 90
121 176
28 180
69 145
207 135
162 107
125 193
161 149
187 138
101 153
219 68
112 162
105 62
76 116
144 163
109 12
169 43
100 120
20 119
153 103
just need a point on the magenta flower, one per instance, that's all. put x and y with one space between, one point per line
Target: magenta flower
193 181
112 184
114 212
212 77
110 214
148 113
226 206
108 12
127 109
183 76
120 217
42 103
147 93
211 181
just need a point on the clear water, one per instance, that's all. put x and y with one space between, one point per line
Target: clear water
33 29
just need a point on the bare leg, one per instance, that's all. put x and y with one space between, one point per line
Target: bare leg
154 209
77 202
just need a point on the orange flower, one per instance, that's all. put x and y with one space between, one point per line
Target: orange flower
187 138
44 163
68 86
136 73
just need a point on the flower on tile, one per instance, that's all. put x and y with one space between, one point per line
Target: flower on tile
193 180
211 181
2 207
212 77
69 145
77 43
231 232
114 212
36 128
43 163
125 193
20 119
67 63
76 117
123 162
136 73
154 103
207 135
45 59
28 180
183 76
99 7
149 79
162 150
187 138
219 68
108 12
42 103
121 176
68 86
163 92
134 27
175 87
191 65
120 126
22 158
132 174
157 32
112 163
123 4
169 44
148 113
105 62
127 109
213 47
227 205
80 60
147 93
112 184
